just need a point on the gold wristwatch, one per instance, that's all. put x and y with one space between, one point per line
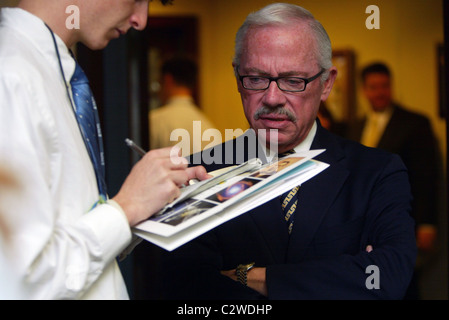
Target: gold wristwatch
242 272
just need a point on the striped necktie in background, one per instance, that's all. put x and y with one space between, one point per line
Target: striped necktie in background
289 200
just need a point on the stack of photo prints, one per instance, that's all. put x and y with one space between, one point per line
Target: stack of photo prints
205 205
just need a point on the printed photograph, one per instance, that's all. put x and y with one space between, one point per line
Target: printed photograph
183 212
274 168
233 190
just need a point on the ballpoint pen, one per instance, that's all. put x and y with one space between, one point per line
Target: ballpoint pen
135 147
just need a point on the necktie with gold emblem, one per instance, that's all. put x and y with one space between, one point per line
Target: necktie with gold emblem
289 200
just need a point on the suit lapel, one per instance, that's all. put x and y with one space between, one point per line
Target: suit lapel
316 195
268 219
393 132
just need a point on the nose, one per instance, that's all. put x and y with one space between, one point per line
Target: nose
273 96
140 16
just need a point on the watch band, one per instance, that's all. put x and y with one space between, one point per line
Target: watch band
242 272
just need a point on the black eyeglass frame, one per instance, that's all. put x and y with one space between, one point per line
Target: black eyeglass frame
275 79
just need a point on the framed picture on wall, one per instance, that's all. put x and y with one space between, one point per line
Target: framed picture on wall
442 93
341 101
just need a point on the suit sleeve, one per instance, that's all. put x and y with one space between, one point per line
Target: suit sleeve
193 272
422 157
383 273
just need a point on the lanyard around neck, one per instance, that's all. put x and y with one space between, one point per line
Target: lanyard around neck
58 55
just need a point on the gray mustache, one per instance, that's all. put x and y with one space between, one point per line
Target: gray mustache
268 110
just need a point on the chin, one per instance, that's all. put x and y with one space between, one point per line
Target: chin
100 46
97 44
275 140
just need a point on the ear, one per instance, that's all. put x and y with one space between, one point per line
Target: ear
236 77
329 83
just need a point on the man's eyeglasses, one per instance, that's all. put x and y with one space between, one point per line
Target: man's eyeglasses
289 84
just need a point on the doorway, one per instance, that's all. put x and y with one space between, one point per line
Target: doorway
165 37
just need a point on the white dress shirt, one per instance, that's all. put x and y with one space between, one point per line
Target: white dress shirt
180 119
64 248
303 146
374 128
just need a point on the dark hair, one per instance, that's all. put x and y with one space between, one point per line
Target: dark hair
164 2
377 67
183 70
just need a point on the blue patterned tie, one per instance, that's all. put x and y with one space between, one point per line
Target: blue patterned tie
289 200
89 123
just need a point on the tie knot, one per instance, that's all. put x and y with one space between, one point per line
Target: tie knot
79 76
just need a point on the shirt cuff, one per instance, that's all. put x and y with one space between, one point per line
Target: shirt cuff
111 228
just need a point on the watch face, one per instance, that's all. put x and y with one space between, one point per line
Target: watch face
246 267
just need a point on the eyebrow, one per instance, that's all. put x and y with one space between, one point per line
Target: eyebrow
256 71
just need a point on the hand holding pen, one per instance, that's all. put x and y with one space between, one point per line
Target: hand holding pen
153 182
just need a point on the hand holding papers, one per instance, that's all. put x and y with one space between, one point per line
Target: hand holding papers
209 203
195 189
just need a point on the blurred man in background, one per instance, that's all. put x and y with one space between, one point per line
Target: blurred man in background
179 115
391 127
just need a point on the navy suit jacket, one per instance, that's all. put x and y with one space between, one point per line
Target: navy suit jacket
362 199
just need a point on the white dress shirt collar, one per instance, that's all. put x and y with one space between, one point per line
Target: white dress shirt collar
303 146
35 30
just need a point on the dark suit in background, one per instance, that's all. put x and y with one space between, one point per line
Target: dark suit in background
410 135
